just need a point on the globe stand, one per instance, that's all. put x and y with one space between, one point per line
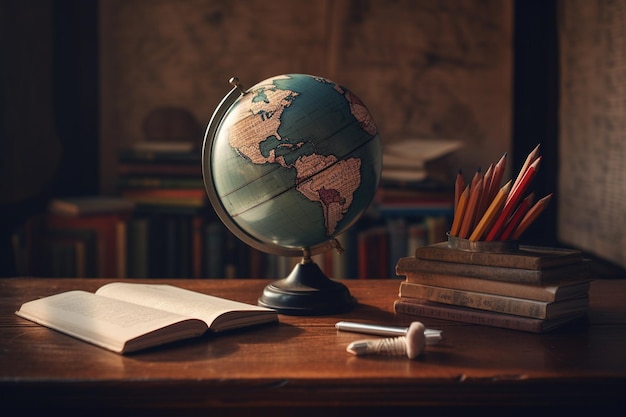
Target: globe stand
307 291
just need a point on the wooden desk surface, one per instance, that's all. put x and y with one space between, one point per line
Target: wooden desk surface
302 361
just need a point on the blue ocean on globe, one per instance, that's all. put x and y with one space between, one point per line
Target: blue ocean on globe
294 162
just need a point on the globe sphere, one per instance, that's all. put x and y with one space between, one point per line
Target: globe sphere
291 163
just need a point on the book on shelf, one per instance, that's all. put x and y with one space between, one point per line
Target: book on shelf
155 181
557 291
184 197
526 257
68 253
128 317
420 309
84 205
159 168
416 160
494 302
166 245
373 252
109 230
163 146
573 271
154 152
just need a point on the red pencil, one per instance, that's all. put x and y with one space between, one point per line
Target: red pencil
514 198
532 157
522 209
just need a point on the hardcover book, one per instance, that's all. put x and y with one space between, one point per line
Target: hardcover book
500 303
128 317
422 308
527 257
76 206
548 292
572 271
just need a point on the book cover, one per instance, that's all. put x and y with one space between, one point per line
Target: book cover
499 303
548 292
128 317
421 309
527 257
76 206
573 271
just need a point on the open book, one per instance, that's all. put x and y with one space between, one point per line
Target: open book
126 317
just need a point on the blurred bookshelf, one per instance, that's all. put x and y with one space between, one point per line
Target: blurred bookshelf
160 224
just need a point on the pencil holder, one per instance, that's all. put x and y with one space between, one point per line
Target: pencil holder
498 246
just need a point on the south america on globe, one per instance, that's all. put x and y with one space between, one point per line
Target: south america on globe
291 163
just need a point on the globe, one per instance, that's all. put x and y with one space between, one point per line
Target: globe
288 165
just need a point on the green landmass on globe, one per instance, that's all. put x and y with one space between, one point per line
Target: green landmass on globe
294 162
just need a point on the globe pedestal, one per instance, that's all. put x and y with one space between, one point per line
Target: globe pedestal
307 291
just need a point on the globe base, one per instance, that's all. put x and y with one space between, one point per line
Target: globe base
307 291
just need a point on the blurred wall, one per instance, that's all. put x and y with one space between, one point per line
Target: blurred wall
428 69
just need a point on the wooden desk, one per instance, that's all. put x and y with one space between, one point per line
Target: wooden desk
302 361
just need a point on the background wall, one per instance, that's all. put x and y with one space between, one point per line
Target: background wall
435 69
592 180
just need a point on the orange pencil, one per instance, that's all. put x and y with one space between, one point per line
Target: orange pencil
491 212
470 211
513 200
459 212
531 216
517 216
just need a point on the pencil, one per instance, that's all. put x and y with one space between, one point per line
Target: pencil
459 212
532 156
513 200
531 215
485 198
522 209
470 211
491 212
459 185
498 174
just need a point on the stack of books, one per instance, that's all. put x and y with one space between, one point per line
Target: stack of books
82 236
534 289
174 231
161 176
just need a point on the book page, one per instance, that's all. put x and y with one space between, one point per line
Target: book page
592 195
218 313
103 321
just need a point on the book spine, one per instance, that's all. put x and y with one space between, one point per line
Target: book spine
159 182
373 253
159 169
476 271
510 289
490 302
526 258
476 258
485 318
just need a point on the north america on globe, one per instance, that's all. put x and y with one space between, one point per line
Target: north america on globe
320 178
